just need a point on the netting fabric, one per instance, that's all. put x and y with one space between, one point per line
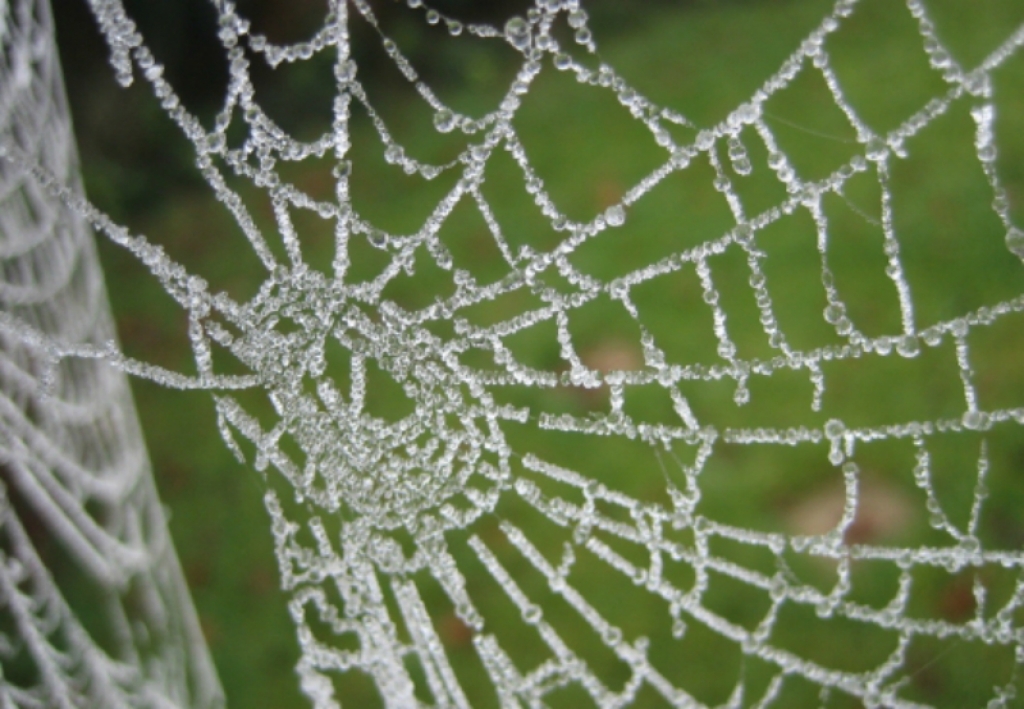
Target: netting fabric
480 547
94 610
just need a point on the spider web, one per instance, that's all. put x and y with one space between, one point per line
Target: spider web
93 607
389 531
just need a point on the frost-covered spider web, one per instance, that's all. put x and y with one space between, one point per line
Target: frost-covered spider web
454 559
94 610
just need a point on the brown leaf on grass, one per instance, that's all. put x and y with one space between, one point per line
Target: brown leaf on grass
454 633
956 602
883 512
211 630
607 192
613 354
198 572
262 580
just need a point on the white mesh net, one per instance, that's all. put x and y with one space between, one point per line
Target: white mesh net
93 608
603 551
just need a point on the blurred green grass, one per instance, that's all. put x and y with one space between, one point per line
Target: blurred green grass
701 59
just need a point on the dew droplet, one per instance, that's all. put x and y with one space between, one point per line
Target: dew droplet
742 167
705 139
974 420
876 149
580 535
834 428
978 84
932 336
908 346
577 18
743 233
615 215
1015 241
215 143
987 152
517 32
445 120
342 169
346 72
748 113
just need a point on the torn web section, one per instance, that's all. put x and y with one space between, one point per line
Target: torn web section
650 396
93 607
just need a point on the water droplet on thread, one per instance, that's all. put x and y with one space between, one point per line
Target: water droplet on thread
705 139
215 143
615 215
577 18
445 121
1015 241
978 84
834 428
974 420
908 346
743 233
517 32
748 113
612 636
876 149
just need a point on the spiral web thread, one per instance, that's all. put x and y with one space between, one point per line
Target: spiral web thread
411 495
76 489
